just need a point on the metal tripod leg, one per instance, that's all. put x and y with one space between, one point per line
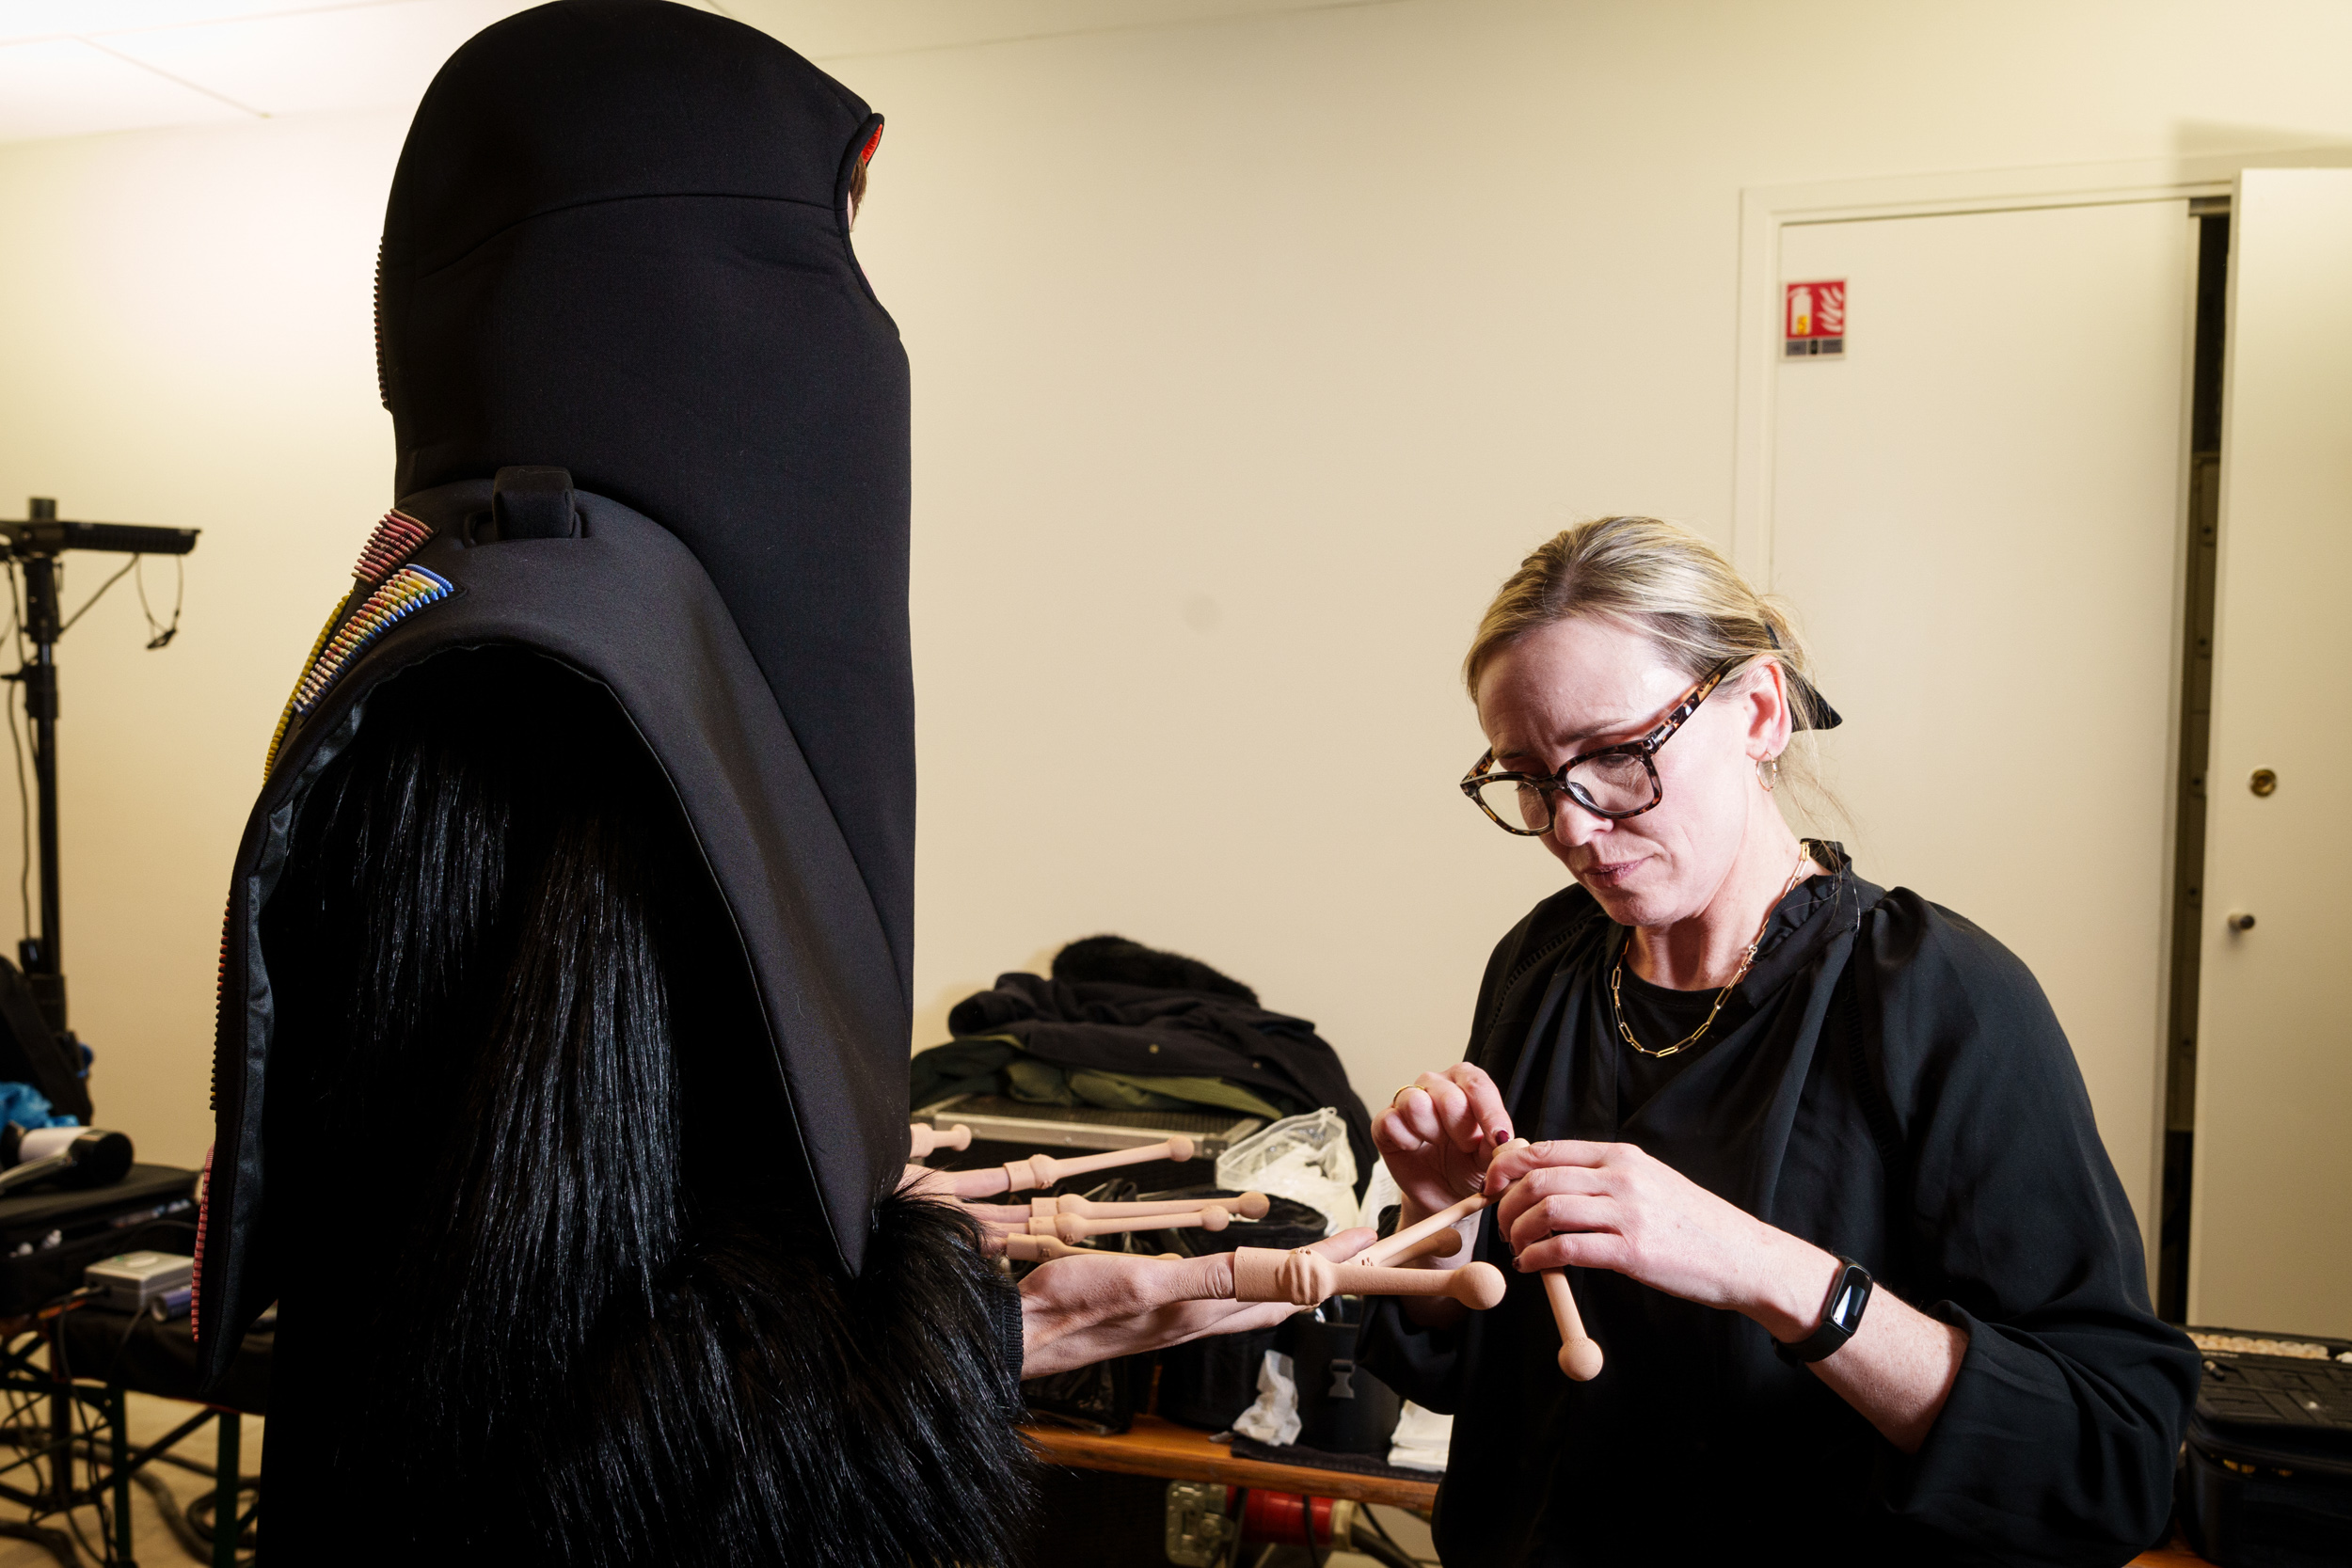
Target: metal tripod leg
226 1468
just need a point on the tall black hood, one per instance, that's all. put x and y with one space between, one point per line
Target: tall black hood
617 244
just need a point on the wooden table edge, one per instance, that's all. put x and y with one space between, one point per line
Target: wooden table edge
1157 1447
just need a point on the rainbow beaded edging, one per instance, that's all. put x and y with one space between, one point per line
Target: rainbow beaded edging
396 537
395 599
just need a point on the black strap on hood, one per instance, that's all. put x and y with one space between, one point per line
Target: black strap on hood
616 267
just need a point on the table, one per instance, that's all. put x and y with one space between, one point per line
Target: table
1154 1447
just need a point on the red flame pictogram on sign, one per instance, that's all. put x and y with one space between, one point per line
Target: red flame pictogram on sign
1813 316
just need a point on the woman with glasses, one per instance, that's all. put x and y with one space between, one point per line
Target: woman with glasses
1815 1154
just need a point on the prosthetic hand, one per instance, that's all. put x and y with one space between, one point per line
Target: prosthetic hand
1089 1306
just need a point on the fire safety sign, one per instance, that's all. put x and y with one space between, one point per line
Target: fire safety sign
1813 320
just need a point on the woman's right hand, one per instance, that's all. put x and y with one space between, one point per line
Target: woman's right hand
1437 1135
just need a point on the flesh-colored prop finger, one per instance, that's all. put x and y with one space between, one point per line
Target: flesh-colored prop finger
1043 1170
1249 1206
1437 1243
1045 1249
926 1139
1388 1251
1302 1278
1580 1356
1078 1227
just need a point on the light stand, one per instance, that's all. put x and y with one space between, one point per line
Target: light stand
35 545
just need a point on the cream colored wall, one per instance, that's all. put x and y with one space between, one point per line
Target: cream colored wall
184 339
1248 356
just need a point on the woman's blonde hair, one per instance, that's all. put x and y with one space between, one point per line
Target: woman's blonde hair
1664 581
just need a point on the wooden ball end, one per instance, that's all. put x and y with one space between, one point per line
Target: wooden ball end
1180 1148
1253 1206
1479 1286
958 1137
1214 1219
1580 1359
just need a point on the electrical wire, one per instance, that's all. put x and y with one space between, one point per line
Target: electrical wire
159 634
94 598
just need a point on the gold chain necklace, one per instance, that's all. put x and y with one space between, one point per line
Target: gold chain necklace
1747 960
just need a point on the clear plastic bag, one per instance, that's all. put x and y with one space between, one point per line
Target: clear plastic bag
1306 1158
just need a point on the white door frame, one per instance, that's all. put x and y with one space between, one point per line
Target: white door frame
1766 210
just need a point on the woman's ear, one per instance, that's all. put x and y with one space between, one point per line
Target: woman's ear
1770 719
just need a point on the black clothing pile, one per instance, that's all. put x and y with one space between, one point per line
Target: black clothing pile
1133 1028
1889 1084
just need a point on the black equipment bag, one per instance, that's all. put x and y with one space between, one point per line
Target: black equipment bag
1207 1383
49 1235
29 1053
2266 1478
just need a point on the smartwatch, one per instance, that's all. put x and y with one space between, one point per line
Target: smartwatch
1849 1293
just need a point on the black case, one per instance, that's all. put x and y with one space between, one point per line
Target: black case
49 1236
2266 1478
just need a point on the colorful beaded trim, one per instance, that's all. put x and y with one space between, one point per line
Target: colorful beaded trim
397 598
286 715
395 539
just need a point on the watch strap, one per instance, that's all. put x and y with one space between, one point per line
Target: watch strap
1841 1314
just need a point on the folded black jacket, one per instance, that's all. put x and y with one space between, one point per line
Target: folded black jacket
1141 1029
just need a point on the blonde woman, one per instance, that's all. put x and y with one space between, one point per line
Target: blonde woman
1815 1154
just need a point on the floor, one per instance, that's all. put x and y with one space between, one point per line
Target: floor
152 1540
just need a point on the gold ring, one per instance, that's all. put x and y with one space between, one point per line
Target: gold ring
1401 1094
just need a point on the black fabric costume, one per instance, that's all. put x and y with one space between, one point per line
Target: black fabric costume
565 980
1889 1084
1182 1022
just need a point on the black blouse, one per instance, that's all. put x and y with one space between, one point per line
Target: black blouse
1888 1083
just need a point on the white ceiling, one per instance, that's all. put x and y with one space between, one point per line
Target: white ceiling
72 68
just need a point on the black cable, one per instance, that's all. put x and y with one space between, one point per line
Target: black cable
1382 1550
94 598
158 635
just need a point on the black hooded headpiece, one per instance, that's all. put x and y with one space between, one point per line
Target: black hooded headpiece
617 265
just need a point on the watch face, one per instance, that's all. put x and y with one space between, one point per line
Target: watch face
1846 1301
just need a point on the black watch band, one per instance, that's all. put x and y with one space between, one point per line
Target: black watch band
1849 1293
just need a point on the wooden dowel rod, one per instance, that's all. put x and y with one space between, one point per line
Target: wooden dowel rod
1437 1243
1043 1170
1390 1248
1304 1278
926 1139
1248 1206
1045 1249
1078 1227
1580 1356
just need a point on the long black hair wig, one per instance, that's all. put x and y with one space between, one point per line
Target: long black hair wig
596 1320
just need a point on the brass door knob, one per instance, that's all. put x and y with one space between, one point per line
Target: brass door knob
2264 782
2241 922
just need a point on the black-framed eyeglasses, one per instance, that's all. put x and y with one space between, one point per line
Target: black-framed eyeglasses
1615 782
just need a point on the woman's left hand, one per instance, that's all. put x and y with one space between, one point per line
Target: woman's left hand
1612 1205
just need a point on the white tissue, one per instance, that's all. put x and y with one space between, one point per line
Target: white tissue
1274 1419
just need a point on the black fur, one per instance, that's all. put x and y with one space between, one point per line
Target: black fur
1130 964
592 1329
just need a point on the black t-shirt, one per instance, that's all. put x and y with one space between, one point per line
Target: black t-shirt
1657 1016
